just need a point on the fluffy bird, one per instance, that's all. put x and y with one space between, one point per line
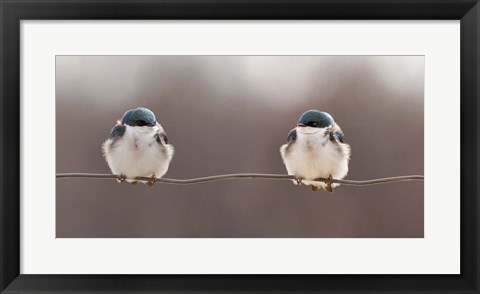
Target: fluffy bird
316 149
138 147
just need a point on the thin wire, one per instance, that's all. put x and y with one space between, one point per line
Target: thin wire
247 176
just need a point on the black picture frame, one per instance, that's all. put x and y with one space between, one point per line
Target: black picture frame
13 11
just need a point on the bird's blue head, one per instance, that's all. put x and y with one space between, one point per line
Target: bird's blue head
139 117
315 119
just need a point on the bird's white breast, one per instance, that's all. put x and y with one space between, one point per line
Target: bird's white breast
313 155
138 154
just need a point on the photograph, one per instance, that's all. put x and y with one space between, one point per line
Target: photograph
295 127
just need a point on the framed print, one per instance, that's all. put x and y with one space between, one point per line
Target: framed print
251 83
203 146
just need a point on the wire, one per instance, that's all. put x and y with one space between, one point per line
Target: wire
247 176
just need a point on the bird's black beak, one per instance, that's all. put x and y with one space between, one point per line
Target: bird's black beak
152 124
301 125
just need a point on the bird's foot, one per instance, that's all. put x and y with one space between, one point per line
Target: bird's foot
329 182
298 180
152 180
121 178
134 182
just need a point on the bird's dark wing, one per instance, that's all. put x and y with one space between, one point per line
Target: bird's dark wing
292 136
162 137
117 132
336 134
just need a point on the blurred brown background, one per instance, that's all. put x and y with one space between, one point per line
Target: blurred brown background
230 114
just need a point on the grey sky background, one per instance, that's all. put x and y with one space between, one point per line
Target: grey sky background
230 114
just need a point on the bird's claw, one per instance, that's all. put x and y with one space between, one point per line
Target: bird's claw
329 182
152 181
121 178
298 180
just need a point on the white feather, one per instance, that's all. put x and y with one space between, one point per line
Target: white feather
138 154
312 155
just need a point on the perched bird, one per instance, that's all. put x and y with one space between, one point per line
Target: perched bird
316 149
138 147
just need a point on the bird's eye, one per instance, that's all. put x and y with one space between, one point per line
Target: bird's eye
314 123
141 123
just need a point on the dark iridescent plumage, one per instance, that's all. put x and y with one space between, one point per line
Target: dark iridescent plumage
316 119
162 138
140 116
